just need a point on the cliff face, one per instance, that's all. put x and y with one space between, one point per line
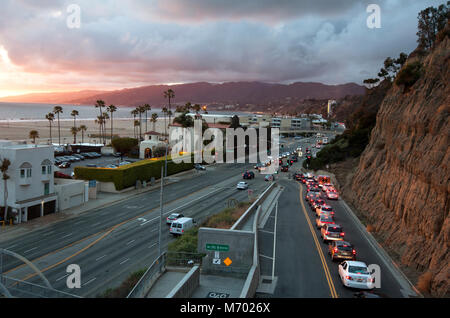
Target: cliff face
402 182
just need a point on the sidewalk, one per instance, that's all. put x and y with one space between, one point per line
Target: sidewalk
103 200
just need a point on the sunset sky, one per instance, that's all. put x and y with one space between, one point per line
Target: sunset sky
129 43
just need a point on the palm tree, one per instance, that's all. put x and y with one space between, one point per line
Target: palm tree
74 114
169 94
5 163
134 112
50 117
136 125
140 110
105 118
164 110
58 110
74 132
99 104
147 108
154 119
111 109
82 128
33 135
100 121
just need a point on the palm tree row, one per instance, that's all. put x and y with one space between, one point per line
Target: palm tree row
138 111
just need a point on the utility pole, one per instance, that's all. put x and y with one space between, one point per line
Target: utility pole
160 210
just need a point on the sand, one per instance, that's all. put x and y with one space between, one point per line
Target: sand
19 130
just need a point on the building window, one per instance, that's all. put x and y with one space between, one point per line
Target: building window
46 188
22 173
49 169
44 170
29 173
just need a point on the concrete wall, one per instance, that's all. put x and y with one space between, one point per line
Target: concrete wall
70 193
241 244
187 285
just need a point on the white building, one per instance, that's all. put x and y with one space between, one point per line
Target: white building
30 188
152 140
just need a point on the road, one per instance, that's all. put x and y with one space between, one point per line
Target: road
110 243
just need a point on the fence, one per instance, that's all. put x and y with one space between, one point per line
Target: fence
22 289
150 276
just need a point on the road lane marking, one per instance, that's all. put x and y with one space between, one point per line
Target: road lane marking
319 249
130 242
100 258
62 277
67 235
124 261
152 245
90 281
94 225
31 249
48 233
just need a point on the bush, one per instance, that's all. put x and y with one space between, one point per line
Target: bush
124 145
125 288
409 74
126 176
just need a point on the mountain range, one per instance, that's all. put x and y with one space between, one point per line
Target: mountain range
201 92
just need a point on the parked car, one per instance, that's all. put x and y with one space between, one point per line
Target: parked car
173 217
332 232
248 175
180 226
341 250
268 177
356 275
79 156
242 185
64 165
199 167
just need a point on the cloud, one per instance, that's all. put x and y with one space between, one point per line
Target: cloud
137 42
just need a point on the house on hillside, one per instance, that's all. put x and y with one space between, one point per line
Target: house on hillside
152 140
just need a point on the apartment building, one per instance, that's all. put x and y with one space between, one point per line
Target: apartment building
30 187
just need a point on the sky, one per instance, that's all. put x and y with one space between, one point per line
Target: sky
119 44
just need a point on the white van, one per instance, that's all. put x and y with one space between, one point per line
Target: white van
181 225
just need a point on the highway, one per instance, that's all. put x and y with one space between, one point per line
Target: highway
110 243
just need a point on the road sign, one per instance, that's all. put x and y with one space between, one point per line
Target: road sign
216 261
217 247
227 261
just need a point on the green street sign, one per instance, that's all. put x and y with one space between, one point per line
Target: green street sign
217 247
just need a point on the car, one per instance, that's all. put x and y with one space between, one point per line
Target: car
323 219
324 208
198 166
355 274
64 165
123 163
332 232
181 225
258 166
269 177
248 175
341 250
316 202
173 217
111 166
331 195
78 156
294 158
285 168
242 185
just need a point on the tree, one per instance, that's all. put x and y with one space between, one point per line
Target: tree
58 110
134 112
146 108
184 120
33 135
164 110
154 119
74 132
124 145
430 22
82 128
5 163
169 94
100 104
140 110
50 117
99 121
74 114
371 82
111 109
235 122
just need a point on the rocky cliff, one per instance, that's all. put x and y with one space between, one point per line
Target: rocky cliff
401 185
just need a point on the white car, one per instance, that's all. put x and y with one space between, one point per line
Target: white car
173 217
355 274
242 185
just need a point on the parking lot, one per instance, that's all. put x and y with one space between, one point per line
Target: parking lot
103 161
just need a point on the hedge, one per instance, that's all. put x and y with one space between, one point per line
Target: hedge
126 176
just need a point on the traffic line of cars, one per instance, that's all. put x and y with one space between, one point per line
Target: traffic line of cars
352 272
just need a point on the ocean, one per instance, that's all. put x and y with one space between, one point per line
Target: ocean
11 112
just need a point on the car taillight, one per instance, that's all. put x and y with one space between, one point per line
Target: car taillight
348 277
342 233
326 232
354 252
335 249
182 231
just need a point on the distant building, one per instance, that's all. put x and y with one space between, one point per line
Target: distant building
283 123
152 140
31 190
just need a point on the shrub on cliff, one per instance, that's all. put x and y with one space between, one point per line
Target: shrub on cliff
409 75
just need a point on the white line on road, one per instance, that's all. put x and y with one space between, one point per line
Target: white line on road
30 250
48 233
11 246
67 235
100 258
130 242
124 261
62 277
95 224
152 245
89 281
